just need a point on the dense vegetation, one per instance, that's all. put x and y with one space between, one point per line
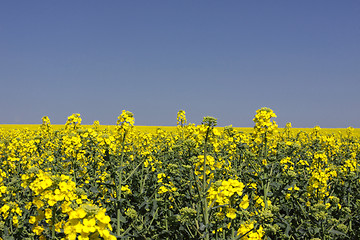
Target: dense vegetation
197 182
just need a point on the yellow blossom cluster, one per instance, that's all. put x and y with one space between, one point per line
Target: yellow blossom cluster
181 118
13 210
126 120
52 189
263 123
246 231
73 121
211 166
321 174
88 222
3 188
165 184
223 194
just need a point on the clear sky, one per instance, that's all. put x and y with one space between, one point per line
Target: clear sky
224 59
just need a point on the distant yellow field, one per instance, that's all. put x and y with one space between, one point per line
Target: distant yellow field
152 129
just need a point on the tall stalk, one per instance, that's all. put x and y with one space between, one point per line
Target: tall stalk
118 222
205 205
210 122
125 121
53 219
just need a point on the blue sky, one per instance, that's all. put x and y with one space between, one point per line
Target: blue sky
224 59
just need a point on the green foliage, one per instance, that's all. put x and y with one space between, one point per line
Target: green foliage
194 183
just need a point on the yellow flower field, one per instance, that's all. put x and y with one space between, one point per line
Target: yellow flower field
77 181
152 129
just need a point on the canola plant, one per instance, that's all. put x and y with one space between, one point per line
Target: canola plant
194 182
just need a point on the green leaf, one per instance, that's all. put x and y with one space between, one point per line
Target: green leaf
333 231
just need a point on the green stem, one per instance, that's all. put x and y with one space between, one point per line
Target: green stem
189 231
166 223
11 225
53 219
266 190
205 204
118 222
73 167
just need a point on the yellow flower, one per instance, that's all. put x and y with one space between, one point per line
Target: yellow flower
231 213
162 190
247 231
51 202
58 226
48 213
264 162
126 189
38 203
244 202
32 219
3 189
38 230
78 213
89 225
4 208
15 220
229 225
288 195
102 217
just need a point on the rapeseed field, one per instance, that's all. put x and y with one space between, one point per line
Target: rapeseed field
185 182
